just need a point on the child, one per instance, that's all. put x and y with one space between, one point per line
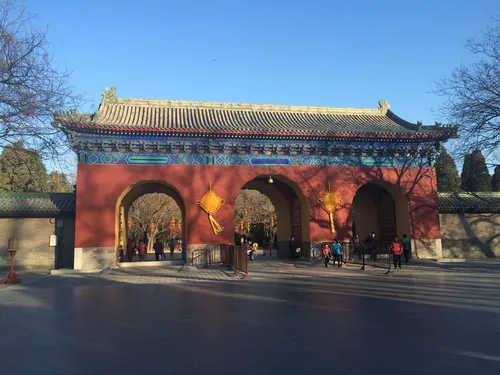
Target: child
326 254
337 252
396 250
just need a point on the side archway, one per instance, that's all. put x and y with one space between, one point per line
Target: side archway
380 207
131 194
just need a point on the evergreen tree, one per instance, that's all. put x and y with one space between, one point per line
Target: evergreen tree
475 175
21 170
466 170
446 172
58 183
495 181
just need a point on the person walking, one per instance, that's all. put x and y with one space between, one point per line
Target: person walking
326 254
158 248
406 243
337 252
371 244
143 250
356 245
396 250
130 250
171 245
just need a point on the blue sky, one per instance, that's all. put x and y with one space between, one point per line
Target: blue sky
328 53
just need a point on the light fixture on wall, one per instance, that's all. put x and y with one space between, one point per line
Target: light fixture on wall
270 177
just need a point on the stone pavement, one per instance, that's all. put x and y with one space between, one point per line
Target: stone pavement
284 319
262 269
140 275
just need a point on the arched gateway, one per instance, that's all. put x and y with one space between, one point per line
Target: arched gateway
195 147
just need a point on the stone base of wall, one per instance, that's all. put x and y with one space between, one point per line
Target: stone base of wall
470 249
88 258
473 236
427 248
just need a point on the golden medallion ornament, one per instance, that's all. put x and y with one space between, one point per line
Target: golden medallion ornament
330 203
210 203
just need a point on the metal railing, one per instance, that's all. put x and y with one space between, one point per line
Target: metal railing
210 255
238 258
232 256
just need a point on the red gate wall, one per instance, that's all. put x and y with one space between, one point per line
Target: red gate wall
100 186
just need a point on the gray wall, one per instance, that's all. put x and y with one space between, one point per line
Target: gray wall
470 235
33 241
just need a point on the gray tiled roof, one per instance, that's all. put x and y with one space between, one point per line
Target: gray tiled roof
469 202
37 203
171 115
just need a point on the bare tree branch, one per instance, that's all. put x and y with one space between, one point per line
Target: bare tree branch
472 95
32 89
157 209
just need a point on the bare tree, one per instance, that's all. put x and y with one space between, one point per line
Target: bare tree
472 95
151 215
32 88
259 208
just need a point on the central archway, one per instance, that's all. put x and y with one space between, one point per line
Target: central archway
131 194
292 211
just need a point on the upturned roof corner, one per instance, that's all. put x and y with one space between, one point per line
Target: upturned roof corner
383 106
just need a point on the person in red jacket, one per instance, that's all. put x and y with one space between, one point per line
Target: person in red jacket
326 254
143 250
396 250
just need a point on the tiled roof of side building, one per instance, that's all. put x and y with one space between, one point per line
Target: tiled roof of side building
37 204
161 116
480 202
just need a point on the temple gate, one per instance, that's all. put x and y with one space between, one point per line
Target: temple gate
377 166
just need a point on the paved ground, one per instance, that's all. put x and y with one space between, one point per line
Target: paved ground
289 318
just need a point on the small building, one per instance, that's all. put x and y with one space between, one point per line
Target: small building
44 224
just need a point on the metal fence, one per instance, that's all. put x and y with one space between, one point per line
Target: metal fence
232 256
374 255
238 258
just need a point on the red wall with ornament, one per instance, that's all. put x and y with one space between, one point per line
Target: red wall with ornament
100 186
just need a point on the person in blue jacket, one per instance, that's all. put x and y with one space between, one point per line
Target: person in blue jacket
337 252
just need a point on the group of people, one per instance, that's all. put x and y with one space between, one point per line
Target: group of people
370 246
397 248
251 248
335 252
141 249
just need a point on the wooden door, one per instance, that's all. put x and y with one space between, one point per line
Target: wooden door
387 218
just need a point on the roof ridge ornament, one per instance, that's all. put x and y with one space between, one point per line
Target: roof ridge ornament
383 106
109 95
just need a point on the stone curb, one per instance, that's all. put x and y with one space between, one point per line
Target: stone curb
67 271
